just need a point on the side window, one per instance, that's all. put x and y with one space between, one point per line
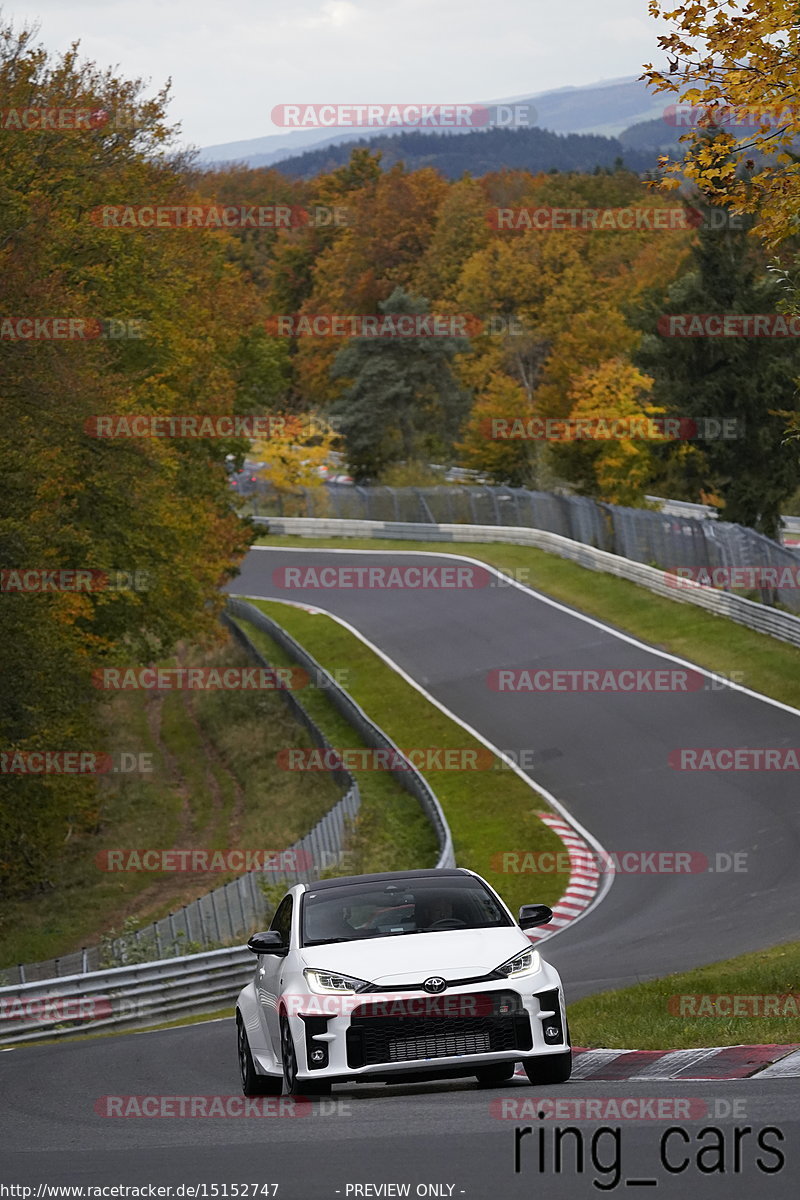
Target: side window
282 921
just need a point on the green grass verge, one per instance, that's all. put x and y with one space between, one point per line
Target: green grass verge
214 784
759 662
652 1016
488 811
391 832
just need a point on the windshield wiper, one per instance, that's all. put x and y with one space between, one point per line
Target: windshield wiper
329 941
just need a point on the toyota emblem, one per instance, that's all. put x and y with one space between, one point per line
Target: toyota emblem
435 984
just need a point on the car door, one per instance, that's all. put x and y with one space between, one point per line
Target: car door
270 971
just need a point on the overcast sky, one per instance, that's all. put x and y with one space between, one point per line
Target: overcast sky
232 61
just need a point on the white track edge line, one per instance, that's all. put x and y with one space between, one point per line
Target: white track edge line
608 877
572 612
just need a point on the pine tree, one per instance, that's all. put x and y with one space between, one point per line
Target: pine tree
404 403
749 379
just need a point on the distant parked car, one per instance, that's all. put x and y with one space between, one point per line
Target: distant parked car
247 480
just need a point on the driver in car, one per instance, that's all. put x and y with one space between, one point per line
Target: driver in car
432 909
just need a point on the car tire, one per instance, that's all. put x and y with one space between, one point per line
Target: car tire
549 1068
253 1084
496 1074
292 1085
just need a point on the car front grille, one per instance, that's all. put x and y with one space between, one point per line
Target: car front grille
375 1039
437 1046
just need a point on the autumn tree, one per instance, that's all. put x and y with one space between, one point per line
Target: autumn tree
611 467
154 506
391 220
738 65
295 452
402 401
749 380
262 370
501 406
573 296
461 229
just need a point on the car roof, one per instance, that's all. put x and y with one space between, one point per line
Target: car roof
389 877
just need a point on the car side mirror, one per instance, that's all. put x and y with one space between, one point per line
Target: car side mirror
267 943
534 914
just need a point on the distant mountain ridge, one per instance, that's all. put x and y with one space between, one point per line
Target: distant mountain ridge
606 109
481 152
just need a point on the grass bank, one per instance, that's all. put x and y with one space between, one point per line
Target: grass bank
677 1012
488 810
214 784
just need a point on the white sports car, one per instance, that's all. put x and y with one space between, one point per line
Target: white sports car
406 975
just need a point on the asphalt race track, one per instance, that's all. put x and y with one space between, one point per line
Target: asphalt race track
605 758
436 1133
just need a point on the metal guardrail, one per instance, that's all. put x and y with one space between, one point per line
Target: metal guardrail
761 617
461 503
409 778
660 539
790 529
228 912
136 996
148 993
790 526
684 508
124 997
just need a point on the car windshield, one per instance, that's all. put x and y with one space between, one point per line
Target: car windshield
371 910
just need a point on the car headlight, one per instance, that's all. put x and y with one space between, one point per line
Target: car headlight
327 982
525 963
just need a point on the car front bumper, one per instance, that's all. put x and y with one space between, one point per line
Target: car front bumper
391 1034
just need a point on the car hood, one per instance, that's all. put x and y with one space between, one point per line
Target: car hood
413 958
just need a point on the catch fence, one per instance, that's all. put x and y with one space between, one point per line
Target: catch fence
667 540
